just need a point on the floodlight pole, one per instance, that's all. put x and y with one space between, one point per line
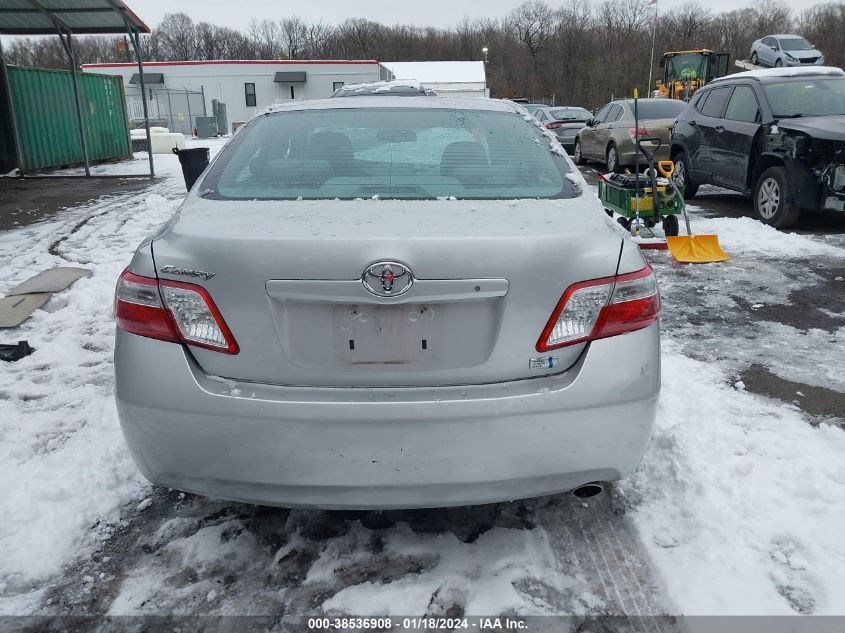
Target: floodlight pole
64 36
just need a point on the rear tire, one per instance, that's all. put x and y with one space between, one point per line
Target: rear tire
681 176
625 222
773 202
670 225
754 59
577 157
612 158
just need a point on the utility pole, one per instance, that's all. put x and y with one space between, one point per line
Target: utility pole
653 35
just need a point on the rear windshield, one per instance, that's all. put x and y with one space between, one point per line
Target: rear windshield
404 153
659 108
820 96
571 114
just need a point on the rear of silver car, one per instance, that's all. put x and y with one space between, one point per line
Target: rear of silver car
400 352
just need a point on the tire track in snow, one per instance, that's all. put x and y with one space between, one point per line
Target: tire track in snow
603 546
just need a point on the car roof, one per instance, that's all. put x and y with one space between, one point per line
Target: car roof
780 35
768 75
393 101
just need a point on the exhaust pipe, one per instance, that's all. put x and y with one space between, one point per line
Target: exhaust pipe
588 490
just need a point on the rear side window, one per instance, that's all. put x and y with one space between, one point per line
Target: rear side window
660 108
715 104
614 114
743 105
602 114
400 153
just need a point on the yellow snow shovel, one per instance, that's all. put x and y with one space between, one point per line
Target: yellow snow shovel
689 248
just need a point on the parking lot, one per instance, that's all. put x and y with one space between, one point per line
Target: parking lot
743 472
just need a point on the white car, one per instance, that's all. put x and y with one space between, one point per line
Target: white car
784 50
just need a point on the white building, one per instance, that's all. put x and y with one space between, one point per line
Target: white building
245 86
447 79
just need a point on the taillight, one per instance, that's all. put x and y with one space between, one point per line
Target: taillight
138 308
171 311
634 132
604 307
553 125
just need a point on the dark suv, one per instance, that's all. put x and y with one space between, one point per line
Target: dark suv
778 136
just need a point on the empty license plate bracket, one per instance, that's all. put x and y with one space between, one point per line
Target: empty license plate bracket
385 335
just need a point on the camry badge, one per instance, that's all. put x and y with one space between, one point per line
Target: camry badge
186 272
387 279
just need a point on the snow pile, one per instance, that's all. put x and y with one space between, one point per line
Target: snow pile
64 465
740 499
749 236
57 404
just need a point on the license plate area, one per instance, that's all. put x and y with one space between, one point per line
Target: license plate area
386 335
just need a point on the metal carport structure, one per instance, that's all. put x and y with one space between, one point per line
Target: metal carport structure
67 18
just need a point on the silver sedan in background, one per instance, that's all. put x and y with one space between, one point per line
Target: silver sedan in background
564 121
785 50
385 302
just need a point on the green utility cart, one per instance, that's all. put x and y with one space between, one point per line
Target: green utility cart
622 200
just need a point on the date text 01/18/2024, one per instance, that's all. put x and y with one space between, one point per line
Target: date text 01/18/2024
416 624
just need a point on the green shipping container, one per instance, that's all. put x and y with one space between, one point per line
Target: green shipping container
45 113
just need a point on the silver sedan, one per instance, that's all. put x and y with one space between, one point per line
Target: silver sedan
386 302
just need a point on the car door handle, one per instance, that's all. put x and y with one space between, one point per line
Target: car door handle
720 128
692 122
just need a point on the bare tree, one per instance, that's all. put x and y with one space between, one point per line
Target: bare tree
267 39
177 37
580 52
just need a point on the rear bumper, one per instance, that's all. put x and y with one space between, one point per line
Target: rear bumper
387 447
567 138
627 155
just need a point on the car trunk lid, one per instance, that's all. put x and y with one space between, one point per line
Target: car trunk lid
287 278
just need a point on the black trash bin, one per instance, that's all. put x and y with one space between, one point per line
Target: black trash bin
193 161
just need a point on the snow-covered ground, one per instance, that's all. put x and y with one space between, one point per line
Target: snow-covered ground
737 508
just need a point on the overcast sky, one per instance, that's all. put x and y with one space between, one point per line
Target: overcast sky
238 13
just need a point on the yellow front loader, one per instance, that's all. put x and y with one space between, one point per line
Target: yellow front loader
684 72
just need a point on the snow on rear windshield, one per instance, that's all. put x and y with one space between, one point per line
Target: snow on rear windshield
402 153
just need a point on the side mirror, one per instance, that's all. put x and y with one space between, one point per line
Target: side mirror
775 48
590 122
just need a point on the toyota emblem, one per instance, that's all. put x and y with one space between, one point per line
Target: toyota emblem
387 279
